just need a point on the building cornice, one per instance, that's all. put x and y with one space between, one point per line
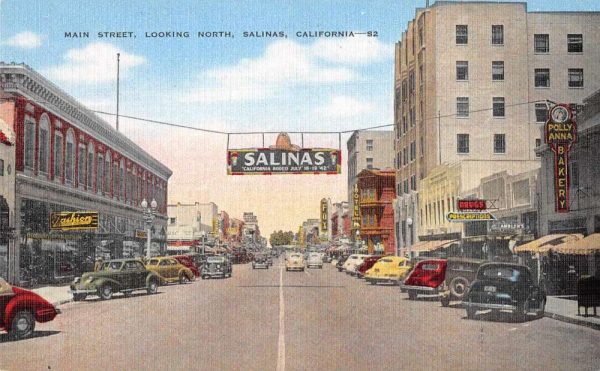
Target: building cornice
22 80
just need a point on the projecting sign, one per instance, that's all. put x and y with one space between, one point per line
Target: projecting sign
471 204
356 208
283 158
324 213
560 132
73 220
469 216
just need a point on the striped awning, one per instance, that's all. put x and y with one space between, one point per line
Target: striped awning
584 246
431 245
545 243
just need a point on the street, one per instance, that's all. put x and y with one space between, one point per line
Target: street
271 319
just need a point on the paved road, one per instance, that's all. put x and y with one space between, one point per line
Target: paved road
277 320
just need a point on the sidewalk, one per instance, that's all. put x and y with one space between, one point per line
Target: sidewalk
566 310
56 295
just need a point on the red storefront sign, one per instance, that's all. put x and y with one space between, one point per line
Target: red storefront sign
472 205
560 133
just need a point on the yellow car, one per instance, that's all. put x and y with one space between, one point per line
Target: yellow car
294 261
391 269
170 270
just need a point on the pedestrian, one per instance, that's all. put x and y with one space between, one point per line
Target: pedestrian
98 264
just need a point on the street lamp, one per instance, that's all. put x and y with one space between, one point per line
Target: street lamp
149 214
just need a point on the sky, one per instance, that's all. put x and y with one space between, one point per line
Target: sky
234 84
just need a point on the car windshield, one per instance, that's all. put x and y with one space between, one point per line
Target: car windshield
429 267
506 273
112 266
296 256
386 260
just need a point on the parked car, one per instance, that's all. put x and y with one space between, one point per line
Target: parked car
427 278
119 275
390 269
352 262
340 263
20 309
187 262
314 260
294 261
505 286
170 270
366 265
269 259
216 266
460 272
260 261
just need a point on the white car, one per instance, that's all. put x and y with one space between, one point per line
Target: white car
353 262
314 259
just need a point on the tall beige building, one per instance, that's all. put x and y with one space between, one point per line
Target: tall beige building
471 80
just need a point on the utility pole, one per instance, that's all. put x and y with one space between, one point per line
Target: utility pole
118 67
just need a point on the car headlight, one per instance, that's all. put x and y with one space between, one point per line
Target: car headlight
88 280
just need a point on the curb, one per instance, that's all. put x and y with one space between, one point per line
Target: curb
576 321
61 302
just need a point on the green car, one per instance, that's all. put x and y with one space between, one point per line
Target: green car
119 275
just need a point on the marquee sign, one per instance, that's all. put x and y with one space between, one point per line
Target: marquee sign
560 133
324 213
469 216
284 158
73 220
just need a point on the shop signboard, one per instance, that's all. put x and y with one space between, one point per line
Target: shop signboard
469 216
73 220
324 213
560 133
140 233
356 208
471 204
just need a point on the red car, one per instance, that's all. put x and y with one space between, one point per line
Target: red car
188 262
20 309
426 278
366 265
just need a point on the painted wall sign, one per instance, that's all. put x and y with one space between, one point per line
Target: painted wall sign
560 133
73 220
283 158
471 204
466 216
324 212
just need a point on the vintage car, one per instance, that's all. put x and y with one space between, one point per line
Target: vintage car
20 309
315 259
340 262
352 262
188 262
216 266
460 272
240 257
505 287
260 261
366 265
170 270
427 278
119 275
294 261
390 269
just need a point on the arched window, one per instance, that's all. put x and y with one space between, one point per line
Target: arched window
29 143
122 180
99 173
58 155
90 166
107 168
44 144
70 157
115 178
81 159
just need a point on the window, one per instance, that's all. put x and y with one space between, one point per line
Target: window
90 166
413 182
406 186
541 43
498 70
541 112
1 167
462 70
575 43
81 165
107 167
542 77
413 151
574 175
497 34
44 145
462 143
462 107
100 174
58 155
122 180
538 143
462 34
29 144
404 124
405 156
115 179
499 143
498 106
69 157
575 77
369 163
422 145
369 144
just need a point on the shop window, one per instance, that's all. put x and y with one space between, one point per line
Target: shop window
44 145
575 43
29 144
58 155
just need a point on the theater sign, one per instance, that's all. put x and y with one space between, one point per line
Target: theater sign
283 158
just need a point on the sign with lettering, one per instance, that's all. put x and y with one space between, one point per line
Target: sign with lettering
471 204
140 233
73 220
469 216
324 213
560 133
356 208
284 158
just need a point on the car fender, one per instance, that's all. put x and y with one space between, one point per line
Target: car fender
25 301
186 272
152 275
116 285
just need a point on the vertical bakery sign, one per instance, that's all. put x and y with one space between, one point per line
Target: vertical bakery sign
560 133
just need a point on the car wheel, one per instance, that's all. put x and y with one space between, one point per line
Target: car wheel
522 311
79 297
412 295
22 325
183 279
459 287
541 310
445 300
152 287
471 312
105 292
204 277
372 282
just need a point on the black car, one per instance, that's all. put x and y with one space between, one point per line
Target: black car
340 263
216 266
260 261
505 287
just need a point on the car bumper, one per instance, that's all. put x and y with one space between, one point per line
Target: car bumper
486 306
421 289
295 268
213 274
79 291
381 279
260 265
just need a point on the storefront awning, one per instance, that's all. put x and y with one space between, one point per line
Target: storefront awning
543 244
431 245
584 246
